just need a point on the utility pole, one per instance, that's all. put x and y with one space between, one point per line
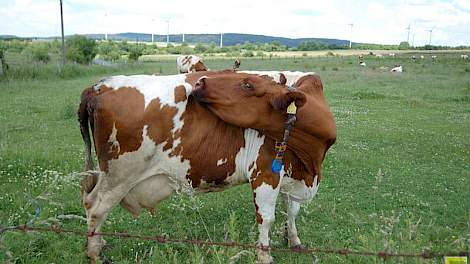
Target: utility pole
183 38
350 43
413 40
408 38
221 39
63 39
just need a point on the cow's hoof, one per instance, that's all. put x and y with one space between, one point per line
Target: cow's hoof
107 247
298 247
264 258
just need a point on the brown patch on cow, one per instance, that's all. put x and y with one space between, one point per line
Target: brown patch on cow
263 173
203 157
259 218
123 109
199 66
159 121
186 60
101 89
180 94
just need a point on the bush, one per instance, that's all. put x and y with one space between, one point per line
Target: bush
248 53
199 49
135 52
38 52
80 49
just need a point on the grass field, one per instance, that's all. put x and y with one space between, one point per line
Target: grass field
398 178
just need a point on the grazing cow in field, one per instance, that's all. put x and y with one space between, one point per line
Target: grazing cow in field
392 55
236 65
189 63
204 132
433 57
379 55
363 64
421 57
397 68
464 57
413 58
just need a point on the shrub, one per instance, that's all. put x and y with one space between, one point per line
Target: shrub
330 53
248 53
38 52
80 49
135 52
200 48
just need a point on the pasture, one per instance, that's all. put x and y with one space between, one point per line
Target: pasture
398 178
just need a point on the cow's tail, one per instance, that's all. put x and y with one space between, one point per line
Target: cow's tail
90 179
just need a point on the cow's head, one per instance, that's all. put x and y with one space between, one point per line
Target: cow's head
198 66
247 100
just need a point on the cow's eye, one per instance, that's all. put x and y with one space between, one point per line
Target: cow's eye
247 86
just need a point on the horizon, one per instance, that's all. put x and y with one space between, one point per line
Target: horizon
449 20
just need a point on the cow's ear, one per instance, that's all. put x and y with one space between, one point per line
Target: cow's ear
201 83
282 79
281 102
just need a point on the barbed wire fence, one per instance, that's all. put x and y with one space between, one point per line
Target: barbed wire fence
426 254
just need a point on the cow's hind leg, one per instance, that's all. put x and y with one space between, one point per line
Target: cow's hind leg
98 204
292 209
265 193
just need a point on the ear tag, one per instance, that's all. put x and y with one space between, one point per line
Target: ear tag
292 108
276 166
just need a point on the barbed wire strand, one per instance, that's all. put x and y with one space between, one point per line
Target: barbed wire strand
425 254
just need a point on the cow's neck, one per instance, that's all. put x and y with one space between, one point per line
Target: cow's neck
219 153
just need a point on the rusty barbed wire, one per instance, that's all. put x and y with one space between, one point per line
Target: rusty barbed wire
425 254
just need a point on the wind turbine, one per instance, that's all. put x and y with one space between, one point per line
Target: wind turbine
351 25
221 39
167 32
408 37
430 34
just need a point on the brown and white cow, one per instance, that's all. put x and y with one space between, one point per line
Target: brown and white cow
202 132
189 63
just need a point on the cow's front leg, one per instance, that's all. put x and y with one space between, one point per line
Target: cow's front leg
292 209
265 191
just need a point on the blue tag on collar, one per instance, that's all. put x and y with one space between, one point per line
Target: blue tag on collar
276 165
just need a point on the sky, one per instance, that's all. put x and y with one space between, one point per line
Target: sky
383 22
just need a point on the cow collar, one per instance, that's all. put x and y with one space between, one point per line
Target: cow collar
280 147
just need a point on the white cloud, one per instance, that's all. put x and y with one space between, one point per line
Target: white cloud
374 22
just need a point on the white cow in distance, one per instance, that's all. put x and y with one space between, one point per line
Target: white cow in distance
397 68
189 63
464 57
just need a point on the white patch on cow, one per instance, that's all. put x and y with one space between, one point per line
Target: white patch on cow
150 160
265 199
297 190
151 86
113 140
181 106
292 77
221 161
245 160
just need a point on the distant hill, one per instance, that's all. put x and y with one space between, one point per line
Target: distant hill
229 39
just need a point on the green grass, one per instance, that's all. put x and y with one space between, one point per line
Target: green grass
398 178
